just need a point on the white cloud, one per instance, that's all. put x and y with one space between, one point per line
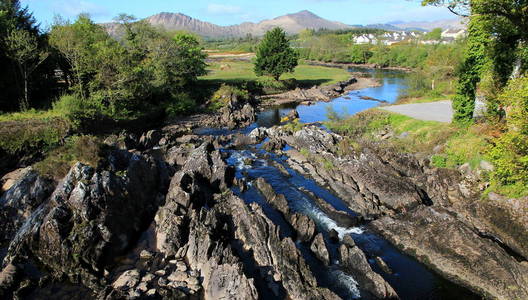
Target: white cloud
223 9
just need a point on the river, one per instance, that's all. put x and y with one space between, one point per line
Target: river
410 279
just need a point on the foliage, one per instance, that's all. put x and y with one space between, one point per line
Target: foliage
122 79
509 152
224 94
31 131
180 104
85 149
435 35
22 46
274 55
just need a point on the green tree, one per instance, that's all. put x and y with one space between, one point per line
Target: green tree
23 48
274 55
78 43
18 27
498 29
434 35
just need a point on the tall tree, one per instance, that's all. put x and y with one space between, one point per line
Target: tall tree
23 48
274 55
497 28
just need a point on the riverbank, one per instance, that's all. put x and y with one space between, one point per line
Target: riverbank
350 65
320 93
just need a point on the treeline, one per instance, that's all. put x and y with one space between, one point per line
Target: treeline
494 69
91 73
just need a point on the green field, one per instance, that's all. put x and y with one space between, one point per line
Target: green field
234 72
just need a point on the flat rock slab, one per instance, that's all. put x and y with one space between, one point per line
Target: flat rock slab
440 111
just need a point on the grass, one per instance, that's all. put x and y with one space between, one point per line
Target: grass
457 145
85 149
32 130
31 114
234 72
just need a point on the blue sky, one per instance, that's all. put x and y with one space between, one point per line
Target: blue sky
228 12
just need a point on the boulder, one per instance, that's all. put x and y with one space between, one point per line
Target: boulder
318 247
355 263
92 217
27 191
435 236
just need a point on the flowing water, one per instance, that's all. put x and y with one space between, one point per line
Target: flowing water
410 279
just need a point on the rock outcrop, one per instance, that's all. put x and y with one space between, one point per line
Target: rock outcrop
91 217
437 237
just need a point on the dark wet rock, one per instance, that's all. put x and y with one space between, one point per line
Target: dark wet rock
304 226
273 145
318 247
91 218
355 263
366 182
505 218
288 268
220 269
383 265
277 201
122 141
333 236
23 197
150 139
439 239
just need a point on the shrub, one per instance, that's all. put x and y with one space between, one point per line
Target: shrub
29 134
181 104
509 153
224 94
85 149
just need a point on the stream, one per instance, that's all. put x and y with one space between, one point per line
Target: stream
410 279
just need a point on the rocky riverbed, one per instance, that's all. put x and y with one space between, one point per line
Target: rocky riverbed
257 213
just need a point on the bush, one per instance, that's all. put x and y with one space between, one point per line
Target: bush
509 153
85 149
270 86
224 94
32 133
181 104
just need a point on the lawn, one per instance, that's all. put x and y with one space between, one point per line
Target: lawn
235 72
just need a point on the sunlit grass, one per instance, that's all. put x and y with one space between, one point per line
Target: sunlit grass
231 70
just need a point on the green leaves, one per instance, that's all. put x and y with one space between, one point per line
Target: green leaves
275 56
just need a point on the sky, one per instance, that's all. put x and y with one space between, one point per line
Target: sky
229 12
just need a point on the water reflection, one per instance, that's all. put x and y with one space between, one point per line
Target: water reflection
393 82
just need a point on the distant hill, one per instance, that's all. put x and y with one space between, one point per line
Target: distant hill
458 23
291 23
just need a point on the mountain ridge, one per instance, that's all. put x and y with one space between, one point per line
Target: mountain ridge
291 23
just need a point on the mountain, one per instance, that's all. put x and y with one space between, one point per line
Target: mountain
459 23
291 23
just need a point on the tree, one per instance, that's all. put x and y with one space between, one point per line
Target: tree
275 56
23 48
498 31
18 27
78 42
434 35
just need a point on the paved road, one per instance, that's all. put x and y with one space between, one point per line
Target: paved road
440 111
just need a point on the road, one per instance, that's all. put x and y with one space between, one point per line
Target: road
440 111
